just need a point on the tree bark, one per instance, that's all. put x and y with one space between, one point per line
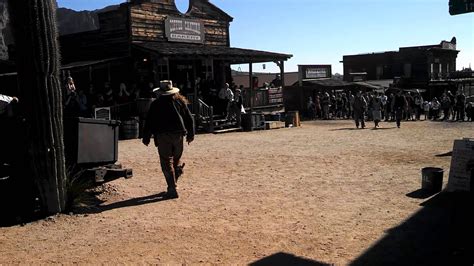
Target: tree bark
37 57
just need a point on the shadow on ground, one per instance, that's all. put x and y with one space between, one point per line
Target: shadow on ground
97 208
421 194
367 127
282 258
439 234
447 154
347 128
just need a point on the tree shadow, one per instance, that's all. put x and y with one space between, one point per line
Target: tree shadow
162 196
438 234
282 258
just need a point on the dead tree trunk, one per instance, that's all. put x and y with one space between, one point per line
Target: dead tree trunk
37 57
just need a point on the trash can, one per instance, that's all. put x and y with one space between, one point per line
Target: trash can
432 179
247 122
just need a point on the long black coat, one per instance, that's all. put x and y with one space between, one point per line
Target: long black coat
168 115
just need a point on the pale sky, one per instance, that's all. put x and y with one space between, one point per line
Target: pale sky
322 31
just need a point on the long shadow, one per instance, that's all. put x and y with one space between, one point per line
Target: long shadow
447 154
346 128
421 194
438 234
282 258
123 204
353 128
383 128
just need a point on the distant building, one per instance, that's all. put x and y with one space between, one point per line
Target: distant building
411 67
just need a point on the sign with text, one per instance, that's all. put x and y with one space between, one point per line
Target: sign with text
462 162
275 95
315 71
184 30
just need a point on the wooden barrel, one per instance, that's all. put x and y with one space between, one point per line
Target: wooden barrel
129 129
292 118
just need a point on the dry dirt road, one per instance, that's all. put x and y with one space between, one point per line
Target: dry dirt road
321 193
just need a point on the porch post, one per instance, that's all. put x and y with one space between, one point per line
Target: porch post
251 87
196 100
282 73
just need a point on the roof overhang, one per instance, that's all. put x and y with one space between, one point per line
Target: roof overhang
326 82
195 51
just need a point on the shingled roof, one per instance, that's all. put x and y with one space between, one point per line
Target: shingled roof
233 55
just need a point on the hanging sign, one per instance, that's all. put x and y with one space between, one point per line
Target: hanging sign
184 30
275 95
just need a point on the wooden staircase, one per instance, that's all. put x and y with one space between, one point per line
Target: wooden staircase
207 121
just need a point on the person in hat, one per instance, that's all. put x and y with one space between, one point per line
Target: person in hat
399 104
168 121
360 107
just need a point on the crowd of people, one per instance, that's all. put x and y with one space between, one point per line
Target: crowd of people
396 106
82 102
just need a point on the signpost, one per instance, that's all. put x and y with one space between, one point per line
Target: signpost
457 7
460 171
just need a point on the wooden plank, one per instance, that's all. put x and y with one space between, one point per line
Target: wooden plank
274 124
227 130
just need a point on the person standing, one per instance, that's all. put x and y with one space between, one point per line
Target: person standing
435 105
418 105
399 104
452 108
445 106
238 106
359 106
226 97
460 105
311 107
376 110
169 120
325 102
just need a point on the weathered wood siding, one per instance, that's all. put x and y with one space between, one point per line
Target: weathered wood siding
111 40
115 31
141 21
147 21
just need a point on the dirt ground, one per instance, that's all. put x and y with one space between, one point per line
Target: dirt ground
323 193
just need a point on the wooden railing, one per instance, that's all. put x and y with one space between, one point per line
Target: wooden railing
205 115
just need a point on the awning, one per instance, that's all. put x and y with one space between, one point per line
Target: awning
79 64
326 82
91 63
190 51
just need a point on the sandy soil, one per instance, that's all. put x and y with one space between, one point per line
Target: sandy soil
323 192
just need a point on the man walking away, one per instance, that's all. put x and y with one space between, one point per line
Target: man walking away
169 120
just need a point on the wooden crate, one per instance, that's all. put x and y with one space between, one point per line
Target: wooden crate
274 124
292 118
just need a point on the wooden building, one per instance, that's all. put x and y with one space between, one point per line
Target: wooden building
416 67
145 41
